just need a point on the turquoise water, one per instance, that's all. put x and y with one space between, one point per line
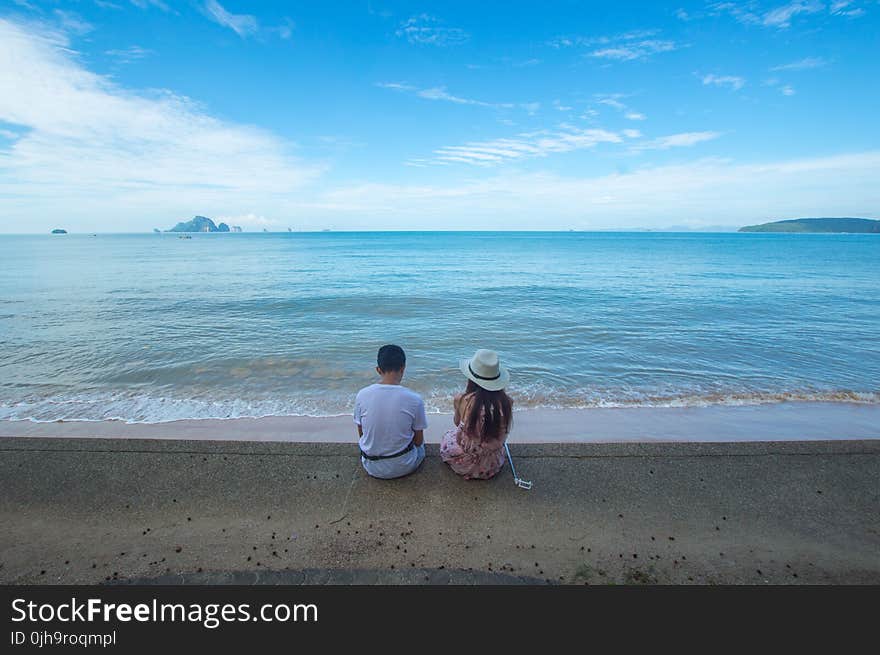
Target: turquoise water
154 328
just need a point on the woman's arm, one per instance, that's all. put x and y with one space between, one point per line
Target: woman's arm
456 404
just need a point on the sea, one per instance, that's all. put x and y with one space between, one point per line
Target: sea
150 328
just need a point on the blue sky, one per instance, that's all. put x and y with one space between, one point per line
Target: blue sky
123 115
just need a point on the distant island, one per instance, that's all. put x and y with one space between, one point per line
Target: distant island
199 224
819 225
58 230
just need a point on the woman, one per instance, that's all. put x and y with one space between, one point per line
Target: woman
475 447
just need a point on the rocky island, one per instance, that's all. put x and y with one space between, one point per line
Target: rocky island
199 224
58 230
819 225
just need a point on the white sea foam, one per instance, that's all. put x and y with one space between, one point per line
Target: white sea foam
135 409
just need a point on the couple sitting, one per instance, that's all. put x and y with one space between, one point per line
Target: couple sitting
391 420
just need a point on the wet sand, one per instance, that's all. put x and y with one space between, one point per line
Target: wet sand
791 421
115 510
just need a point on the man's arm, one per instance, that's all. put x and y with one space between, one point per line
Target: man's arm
419 424
357 417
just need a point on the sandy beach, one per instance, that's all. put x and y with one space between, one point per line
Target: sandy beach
108 510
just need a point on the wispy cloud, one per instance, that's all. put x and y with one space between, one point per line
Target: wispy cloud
784 89
128 55
845 8
522 146
87 144
558 105
614 100
72 22
634 50
681 140
426 29
440 93
572 41
782 16
802 64
681 14
542 143
731 81
435 93
146 4
242 24
626 46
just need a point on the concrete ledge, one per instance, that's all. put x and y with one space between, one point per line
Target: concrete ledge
307 449
107 510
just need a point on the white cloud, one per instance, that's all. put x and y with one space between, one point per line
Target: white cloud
440 93
782 16
435 93
704 192
627 46
732 81
429 30
632 50
614 100
146 4
784 89
523 146
242 24
73 22
89 146
128 55
842 8
546 142
801 64
590 41
683 139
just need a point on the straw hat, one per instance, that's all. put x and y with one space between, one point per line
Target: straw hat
485 370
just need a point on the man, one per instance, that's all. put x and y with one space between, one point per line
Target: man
390 420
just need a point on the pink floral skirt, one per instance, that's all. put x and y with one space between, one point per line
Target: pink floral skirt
472 458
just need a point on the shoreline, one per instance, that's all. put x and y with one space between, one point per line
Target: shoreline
786 421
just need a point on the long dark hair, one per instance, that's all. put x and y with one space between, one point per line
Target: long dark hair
490 412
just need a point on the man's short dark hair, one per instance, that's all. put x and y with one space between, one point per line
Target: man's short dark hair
390 358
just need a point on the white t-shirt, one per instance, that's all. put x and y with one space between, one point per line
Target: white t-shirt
388 414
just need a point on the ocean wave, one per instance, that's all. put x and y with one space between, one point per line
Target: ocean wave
134 409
